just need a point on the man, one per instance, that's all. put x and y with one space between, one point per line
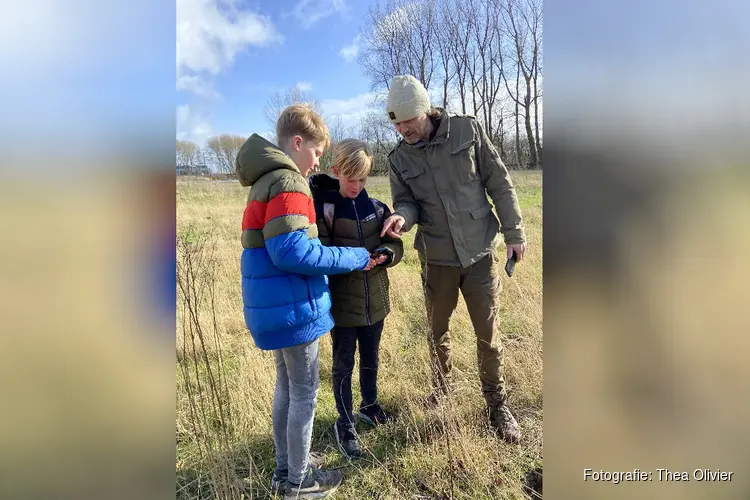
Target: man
440 174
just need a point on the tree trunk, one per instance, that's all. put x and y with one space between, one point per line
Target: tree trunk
445 93
519 160
472 74
536 127
502 139
462 91
527 121
536 116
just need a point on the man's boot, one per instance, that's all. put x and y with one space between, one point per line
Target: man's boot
504 423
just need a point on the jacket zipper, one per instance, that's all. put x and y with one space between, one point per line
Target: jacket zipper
367 288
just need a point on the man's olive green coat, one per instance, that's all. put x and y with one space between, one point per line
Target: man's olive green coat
442 185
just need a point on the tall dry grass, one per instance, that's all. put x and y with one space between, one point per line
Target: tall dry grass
225 384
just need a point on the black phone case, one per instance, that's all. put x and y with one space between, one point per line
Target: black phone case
510 266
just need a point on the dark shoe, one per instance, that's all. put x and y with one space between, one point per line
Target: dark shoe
278 483
505 423
347 441
319 483
374 415
532 484
278 480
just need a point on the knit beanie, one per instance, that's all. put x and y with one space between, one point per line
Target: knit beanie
407 99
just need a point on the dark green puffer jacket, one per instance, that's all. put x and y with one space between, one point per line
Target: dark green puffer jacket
359 298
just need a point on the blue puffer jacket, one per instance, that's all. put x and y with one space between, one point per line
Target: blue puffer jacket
283 264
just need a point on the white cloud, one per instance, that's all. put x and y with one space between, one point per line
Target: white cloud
350 52
197 85
351 111
309 12
304 86
210 34
192 126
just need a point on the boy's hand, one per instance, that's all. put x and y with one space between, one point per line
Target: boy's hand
375 260
372 263
392 226
379 258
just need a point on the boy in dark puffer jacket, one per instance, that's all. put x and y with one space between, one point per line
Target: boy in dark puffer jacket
347 216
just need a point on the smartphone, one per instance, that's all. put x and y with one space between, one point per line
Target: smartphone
511 265
382 251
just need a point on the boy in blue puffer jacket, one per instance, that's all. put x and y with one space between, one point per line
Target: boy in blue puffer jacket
285 288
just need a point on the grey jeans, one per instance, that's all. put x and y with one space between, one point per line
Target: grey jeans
294 407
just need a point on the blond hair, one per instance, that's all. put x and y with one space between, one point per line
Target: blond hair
352 158
302 120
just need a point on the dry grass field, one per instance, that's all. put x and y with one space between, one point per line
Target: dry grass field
225 384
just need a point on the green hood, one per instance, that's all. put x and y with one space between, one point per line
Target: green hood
259 156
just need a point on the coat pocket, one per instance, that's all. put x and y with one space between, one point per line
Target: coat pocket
464 162
411 171
414 176
481 212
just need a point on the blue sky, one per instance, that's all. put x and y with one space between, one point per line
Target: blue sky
89 83
231 56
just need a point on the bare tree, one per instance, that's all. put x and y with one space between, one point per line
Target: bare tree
281 99
337 132
398 39
494 79
381 135
186 152
223 150
519 160
376 128
200 156
421 16
532 17
383 46
486 67
470 49
458 19
513 20
443 39
472 57
502 117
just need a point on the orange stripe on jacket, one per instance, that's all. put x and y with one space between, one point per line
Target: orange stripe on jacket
254 216
290 204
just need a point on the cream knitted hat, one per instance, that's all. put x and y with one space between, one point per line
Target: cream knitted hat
407 99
